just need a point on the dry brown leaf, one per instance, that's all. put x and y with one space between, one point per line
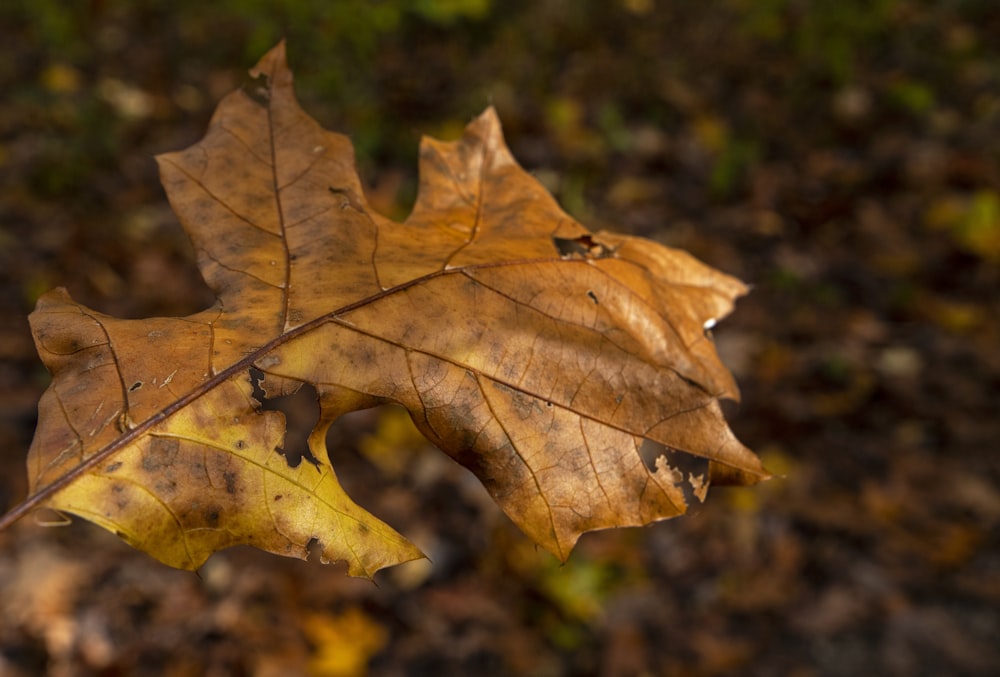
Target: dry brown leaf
570 371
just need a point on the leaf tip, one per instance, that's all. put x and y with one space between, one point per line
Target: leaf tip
489 116
723 475
274 59
357 569
487 126
271 73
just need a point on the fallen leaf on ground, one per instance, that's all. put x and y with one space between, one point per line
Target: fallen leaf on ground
571 371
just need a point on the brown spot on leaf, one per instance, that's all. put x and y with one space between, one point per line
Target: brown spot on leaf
161 454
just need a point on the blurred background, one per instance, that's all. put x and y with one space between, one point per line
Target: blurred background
843 158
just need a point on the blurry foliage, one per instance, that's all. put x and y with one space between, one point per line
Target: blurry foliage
827 38
343 643
88 95
344 36
449 12
972 221
915 97
394 443
580 591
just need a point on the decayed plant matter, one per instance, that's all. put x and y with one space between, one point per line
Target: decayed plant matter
544 358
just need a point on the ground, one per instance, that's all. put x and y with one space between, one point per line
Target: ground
843 158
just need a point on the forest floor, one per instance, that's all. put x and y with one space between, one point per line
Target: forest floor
843 158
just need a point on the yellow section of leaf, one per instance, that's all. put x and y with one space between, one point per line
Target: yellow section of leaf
209 477
973 221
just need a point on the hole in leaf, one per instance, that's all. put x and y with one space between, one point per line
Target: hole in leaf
301 411
314 550
583 247
593 296
650 451
258 89
683 461
256 382
135 386
689 472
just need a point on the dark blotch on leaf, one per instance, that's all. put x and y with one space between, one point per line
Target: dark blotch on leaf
160 455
